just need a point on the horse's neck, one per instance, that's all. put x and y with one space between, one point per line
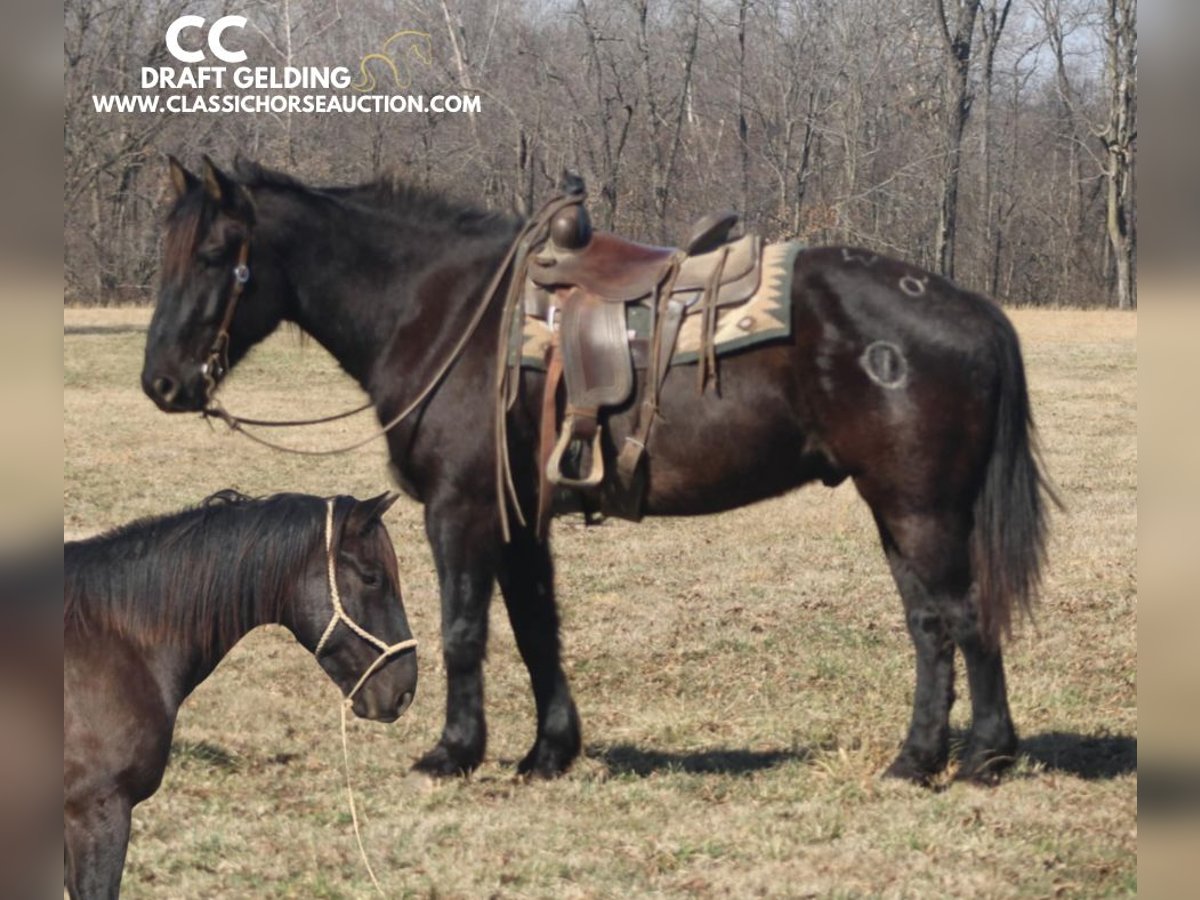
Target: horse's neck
384 304
138 592
195 661
352 324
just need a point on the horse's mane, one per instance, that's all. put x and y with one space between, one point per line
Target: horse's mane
188 219
207 574
390 194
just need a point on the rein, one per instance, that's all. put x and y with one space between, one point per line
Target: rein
515 260
386 652
217 364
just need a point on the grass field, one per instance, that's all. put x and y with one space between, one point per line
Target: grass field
742 679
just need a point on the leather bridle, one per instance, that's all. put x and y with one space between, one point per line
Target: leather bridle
216 365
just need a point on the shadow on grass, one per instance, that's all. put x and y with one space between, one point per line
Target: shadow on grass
105 329
626 759
1092 758
203 753
1088 757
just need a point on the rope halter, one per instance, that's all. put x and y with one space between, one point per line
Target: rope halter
386 650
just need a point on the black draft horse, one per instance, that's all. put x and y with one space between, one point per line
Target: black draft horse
151 608
893 377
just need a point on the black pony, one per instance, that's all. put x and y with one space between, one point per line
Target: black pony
892 377
151 608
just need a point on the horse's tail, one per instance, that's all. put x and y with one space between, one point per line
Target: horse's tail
1008 544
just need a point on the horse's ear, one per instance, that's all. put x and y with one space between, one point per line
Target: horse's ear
181 179
216 182
381 504
242 167
367 513
232 197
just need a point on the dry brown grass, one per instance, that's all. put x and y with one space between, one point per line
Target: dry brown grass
742 680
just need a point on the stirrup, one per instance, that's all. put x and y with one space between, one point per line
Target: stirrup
554 471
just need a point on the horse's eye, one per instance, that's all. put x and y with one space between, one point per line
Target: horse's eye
370 579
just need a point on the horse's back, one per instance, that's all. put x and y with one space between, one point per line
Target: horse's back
848 298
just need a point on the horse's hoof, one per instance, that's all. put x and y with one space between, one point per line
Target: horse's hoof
906 768
441 763
545 761
984 768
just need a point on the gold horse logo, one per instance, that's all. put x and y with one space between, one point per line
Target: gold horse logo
420 50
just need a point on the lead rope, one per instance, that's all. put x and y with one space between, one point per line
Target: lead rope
216 411
386 652
362 850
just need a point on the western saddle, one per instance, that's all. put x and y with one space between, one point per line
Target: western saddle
582 282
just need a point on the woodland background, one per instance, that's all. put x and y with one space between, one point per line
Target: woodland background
990 140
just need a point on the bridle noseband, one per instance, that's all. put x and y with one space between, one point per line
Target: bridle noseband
216 365
386 650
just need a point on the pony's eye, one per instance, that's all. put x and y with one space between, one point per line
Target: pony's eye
370 579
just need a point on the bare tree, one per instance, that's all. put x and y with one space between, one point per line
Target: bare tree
995 16
665 103
1118 136
742 126
830 120
958 37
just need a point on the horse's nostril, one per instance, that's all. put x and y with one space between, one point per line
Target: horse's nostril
165 387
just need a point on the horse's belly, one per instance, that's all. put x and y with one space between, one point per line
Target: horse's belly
708 453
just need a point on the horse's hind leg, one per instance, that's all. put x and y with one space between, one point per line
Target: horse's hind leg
526 577
930 559
992 742
96 839
927 746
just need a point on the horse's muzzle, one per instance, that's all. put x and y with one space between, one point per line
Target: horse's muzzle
367 708
171 393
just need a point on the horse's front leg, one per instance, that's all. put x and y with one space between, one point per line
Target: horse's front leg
466 547
96 837
526 576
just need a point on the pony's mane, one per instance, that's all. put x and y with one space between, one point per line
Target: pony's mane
205 575
388 193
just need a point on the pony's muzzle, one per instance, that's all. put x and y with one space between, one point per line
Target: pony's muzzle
369 707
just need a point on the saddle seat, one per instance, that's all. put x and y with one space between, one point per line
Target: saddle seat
615 270
608 267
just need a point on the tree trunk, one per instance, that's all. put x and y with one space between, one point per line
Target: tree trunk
994 18
743 130
958 110
1121 70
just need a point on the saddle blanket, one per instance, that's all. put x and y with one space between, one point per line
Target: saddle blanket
766 316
